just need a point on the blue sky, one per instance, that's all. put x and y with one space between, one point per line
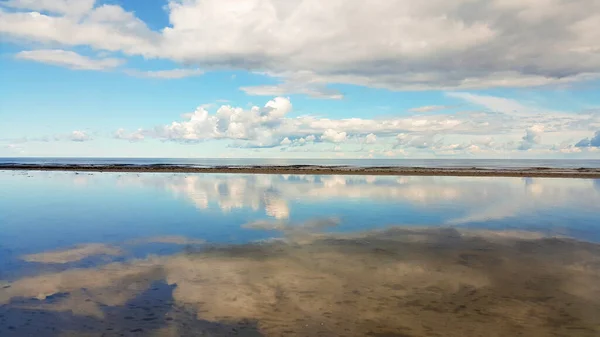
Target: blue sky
300 79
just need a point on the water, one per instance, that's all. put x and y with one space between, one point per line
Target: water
157 254
210 162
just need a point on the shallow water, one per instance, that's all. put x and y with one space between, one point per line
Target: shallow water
107 254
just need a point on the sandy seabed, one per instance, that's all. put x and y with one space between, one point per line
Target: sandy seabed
396 282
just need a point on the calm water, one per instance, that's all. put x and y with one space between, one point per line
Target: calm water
431 163
153 254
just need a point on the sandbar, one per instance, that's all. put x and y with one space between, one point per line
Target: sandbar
537 172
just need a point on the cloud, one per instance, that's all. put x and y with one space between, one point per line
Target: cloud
313 225
419 141
75 136
15 148
69 59
371 138
315 90
533 136
166 74
74 254
470 132
68 7
106 28
79 136
430 108
285 141
333 136
477 198
72 60
587 142
171 239
131 136
492 103
310 44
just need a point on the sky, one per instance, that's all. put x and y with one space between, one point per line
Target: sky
300 78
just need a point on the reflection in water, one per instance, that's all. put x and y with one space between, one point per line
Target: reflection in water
484 197
277 255
74 254
397 282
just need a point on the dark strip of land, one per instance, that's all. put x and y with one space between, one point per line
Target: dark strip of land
545 172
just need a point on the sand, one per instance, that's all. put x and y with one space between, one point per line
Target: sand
396 282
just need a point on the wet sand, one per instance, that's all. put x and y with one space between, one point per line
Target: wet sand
321 170
396 282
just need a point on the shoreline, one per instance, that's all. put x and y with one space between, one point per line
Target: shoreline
533 172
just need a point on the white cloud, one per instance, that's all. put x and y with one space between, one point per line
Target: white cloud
482 199
108 28
166 74
333 136
68 7
309 44
533 136
255 125
430 108
79 136
481 133
371 138
492 103
132 136
286 141
315 91
69 59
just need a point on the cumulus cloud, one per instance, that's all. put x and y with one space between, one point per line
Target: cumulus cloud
79 136
130 136
493 131
587 142
285 141
255 125
333 136
371 138
309 44
419 141
69 59
533 136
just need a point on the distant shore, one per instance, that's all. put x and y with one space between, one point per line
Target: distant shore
320 170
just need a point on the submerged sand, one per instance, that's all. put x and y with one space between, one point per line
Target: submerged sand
316 170
397 282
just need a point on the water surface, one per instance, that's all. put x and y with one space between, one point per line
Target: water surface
154 254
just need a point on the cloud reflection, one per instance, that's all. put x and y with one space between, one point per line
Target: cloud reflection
398 281
74 254
479 198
